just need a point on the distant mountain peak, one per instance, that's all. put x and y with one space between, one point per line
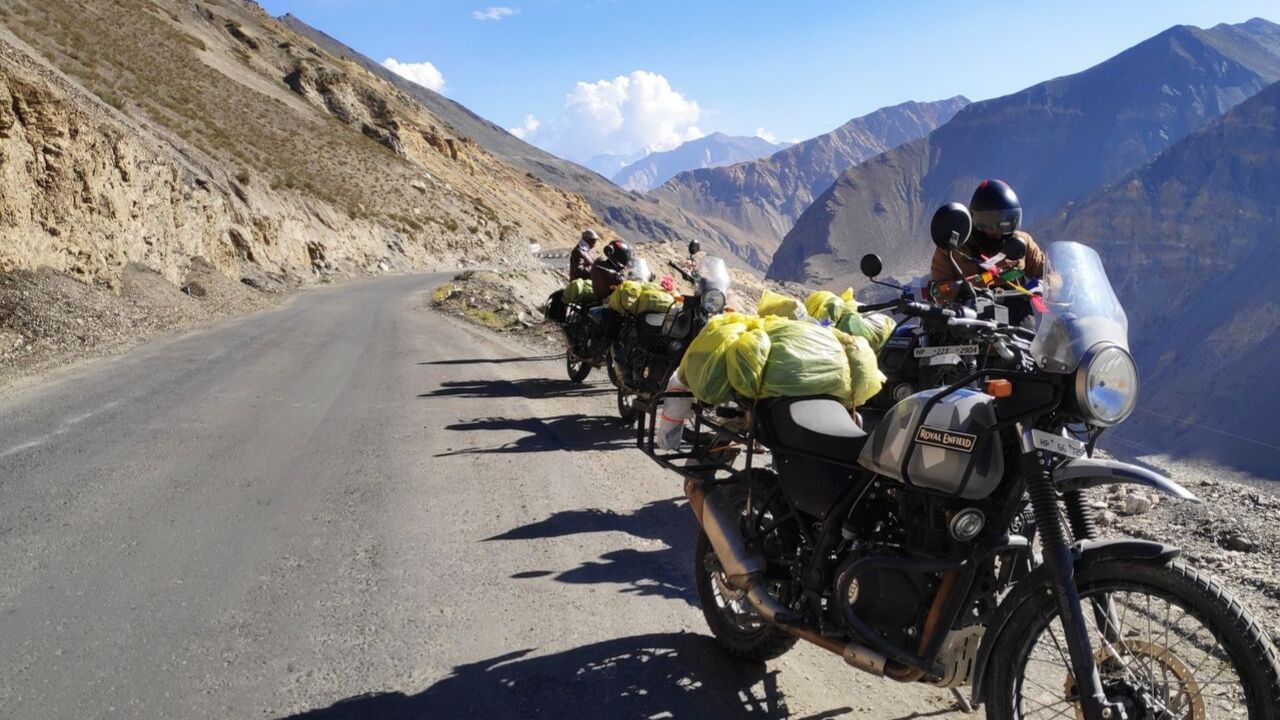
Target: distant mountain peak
713 150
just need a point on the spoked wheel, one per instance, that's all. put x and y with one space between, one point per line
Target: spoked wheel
733 621
578 369
1169 644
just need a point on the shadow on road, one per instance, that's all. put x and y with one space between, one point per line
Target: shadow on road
495 361
564 432
644 676
530 388
663 572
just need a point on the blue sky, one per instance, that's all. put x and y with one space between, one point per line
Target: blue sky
794 69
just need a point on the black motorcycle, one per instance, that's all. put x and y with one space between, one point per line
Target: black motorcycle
902 549
926 352
649 346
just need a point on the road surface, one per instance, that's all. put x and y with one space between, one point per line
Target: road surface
351 507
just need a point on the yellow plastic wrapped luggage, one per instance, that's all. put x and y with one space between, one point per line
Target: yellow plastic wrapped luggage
864 371
772 303
804 359
653 299
874 327
623 298
824 305
577 291
704 368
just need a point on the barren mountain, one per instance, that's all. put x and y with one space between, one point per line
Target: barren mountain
1190 244
1055 142
757 202
635 216
711 151
224 135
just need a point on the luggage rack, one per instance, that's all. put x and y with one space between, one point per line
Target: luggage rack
709 450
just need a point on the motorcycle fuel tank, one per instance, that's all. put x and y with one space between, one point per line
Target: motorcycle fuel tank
956 432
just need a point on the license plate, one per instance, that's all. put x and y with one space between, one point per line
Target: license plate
1057 444
928 352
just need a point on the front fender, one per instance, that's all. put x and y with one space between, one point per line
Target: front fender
1083 473
1038 580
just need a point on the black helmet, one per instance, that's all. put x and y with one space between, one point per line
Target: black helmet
589 236
996 210
619 252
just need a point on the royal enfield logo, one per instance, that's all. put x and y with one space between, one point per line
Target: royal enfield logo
947 439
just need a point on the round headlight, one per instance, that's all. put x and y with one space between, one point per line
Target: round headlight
713 302
1107 385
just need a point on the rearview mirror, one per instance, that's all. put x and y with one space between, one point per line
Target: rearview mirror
694 247
871 265
951 226
1014 248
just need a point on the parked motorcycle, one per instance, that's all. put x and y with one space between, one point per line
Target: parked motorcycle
925 353
649 346
901 549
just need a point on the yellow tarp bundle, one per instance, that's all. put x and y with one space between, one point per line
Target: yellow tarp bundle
637 297
761 357
842 312
772 303
577 291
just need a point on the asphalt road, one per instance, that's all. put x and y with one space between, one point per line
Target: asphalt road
353 507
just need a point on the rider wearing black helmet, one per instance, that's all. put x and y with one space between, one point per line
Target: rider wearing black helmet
580 259
997 216
610 270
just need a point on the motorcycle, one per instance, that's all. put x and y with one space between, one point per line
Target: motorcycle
901 550
925 353
649 347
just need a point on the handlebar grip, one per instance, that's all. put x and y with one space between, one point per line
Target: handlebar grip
910 307
878 306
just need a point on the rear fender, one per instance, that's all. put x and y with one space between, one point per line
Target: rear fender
1084 473
1038 581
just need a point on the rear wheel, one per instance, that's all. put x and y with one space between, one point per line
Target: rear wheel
734 623
1170 644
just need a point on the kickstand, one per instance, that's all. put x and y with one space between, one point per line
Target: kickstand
962 700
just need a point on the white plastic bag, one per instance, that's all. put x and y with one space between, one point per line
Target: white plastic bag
671 415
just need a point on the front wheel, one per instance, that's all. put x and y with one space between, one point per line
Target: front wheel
577 369
627 409
1169 644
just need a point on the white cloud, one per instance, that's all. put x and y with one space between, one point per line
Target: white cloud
423 73
766 136
494 13
527 128
630 115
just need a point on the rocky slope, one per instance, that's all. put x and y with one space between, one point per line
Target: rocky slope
1055 142
225 138
1190 245
635 216
714 150
757 202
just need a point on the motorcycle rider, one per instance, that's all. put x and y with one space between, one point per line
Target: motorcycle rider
609 271
581 259
997 215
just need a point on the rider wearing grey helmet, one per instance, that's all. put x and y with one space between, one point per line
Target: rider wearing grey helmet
581 259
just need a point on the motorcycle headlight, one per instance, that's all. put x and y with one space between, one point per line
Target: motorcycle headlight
713 302
1107 385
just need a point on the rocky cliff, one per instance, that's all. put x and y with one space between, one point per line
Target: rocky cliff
1055 142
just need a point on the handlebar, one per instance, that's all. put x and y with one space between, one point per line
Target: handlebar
683 273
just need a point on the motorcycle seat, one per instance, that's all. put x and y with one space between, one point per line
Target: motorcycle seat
818 426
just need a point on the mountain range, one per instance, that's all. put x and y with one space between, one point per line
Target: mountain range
1190 244
709 151
1054 142
757 202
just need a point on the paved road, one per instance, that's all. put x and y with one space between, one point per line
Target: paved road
352 507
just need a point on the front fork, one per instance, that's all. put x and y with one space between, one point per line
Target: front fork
1058 557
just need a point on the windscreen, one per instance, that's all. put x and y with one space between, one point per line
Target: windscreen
713 275
639 270
1081 309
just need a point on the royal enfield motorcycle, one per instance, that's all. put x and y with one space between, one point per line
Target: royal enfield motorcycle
649 346
903 549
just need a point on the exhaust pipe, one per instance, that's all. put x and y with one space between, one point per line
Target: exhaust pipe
745 571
